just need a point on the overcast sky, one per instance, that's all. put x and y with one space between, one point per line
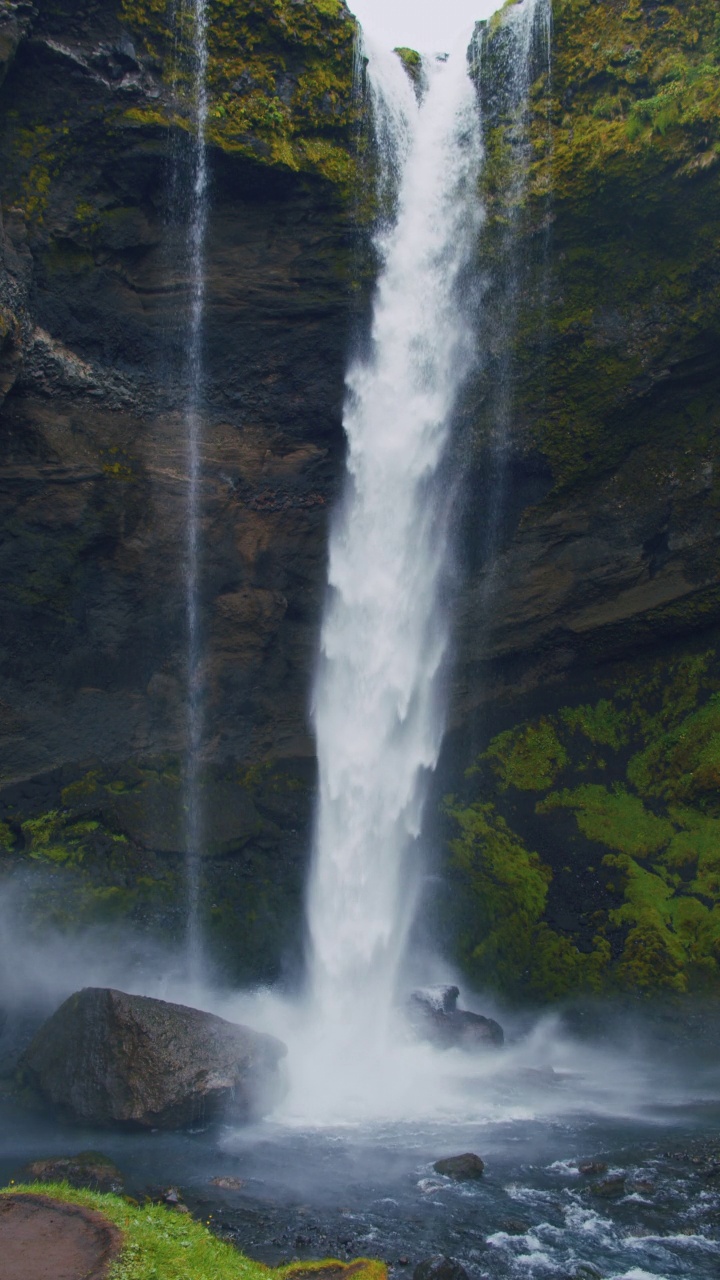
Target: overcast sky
427 25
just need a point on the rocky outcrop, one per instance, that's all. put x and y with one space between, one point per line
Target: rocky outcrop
582 840
433 1014
109 1058
464 1168
94 294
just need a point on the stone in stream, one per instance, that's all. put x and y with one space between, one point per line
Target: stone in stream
439 1268
464 1168
434 1016
114 1059
88 1169
609 1187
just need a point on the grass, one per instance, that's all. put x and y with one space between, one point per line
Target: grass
161 1244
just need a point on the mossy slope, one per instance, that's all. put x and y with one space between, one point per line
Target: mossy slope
588 856
620 325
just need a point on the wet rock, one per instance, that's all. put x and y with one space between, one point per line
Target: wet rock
641 1186
609 1187
514 1227
226 1183
464 1168
592 1167
439 1267
439 999
88 1169
434 1016
114 1059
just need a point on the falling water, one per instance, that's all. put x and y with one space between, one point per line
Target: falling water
378 709
506 82
196 238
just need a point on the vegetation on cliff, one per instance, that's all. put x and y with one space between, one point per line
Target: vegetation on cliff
280 77
280 87
625 896
111 853
620 323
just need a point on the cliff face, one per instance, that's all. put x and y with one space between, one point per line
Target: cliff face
589 848
94 158
586 668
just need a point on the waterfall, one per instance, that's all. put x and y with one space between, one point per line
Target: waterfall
196 239
378 706
506 76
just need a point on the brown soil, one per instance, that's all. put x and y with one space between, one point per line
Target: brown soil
43 1239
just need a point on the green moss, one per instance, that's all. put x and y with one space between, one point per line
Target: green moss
504 942
684 763
643 865
614 818
603 724
412 62
279 79
625 152
529 759
48 837
7 839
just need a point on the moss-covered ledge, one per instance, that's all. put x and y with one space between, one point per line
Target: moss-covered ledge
619 325
585 848
280 78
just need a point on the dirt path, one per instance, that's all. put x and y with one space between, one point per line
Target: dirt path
42 1239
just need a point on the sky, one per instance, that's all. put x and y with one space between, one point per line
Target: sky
427 25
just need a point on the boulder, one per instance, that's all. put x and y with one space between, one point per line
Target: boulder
114 1059
463 1168
439 1268
434 1016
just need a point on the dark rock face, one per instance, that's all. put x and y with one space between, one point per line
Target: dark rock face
465 1168
115 1059
94 296
434 1016
439 1268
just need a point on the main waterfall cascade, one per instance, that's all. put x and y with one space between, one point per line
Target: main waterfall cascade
378 709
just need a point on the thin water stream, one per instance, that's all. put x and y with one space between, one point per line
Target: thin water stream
196 243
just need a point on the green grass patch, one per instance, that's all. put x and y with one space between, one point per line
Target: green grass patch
161 1244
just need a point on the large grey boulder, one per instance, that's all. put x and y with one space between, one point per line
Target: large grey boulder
115 1059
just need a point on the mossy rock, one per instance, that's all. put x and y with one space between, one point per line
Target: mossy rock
587 849
616 236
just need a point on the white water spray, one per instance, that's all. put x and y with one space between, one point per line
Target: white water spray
378 709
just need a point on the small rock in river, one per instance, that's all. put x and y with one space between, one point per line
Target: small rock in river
439 1268
609 1187
462 1168
514 1227
592 1167
226 1183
